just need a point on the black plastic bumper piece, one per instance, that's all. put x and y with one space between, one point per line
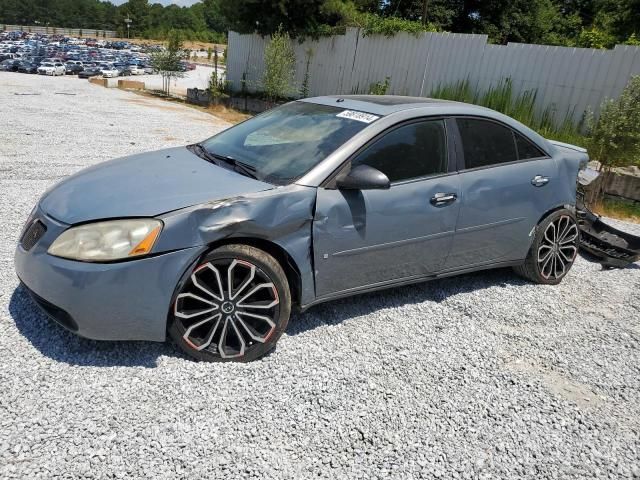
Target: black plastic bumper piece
57 314
611 247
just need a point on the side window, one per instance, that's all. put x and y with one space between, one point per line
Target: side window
526 149
486 143
411 151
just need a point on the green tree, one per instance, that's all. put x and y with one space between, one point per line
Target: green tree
279 66
439 12
594 38
212 13
621 18
614 139
167 61
138 11
529 21
296 16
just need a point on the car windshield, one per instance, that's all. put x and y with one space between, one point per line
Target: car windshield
47 64
284 143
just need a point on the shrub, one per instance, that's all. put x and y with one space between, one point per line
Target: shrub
633 40
279 60
370 23
595 38
614 139
380 88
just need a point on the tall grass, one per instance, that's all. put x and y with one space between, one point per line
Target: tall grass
502 98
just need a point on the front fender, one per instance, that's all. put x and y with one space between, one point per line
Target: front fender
283 216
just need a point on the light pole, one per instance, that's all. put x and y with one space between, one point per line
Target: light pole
128 22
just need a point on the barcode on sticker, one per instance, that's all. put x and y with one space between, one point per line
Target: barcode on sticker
358 116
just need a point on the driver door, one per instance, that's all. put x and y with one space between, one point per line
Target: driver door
368 238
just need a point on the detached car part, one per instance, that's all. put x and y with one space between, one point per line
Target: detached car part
611 247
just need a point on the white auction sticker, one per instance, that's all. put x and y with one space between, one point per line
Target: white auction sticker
358 116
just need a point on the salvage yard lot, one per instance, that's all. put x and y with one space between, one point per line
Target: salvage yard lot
483 375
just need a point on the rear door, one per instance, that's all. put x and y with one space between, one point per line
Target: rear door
371 237
507 184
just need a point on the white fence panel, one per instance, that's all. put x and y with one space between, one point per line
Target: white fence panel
568 81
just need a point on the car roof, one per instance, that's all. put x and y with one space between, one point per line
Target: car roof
383 104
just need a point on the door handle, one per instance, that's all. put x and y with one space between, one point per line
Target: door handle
442 199
539 181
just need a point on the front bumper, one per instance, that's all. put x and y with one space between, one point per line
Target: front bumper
103 301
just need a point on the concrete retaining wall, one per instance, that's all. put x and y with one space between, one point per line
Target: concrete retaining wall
623 184
130 85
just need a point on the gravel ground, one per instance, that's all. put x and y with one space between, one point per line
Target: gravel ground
479 376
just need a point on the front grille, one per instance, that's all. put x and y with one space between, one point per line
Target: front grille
32 234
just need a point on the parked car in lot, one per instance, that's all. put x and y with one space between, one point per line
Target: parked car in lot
53 69
73 68
123 70
318 199
28 67
73 52
10 65
89 72
110 71
136 70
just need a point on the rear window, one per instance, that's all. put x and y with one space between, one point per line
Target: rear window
526 149
486 143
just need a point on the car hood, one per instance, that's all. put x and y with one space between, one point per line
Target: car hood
144 185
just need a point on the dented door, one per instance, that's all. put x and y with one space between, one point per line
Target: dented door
369 237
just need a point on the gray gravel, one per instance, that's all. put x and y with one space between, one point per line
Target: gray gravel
480 376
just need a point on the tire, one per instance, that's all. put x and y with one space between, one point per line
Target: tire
554 249
211 322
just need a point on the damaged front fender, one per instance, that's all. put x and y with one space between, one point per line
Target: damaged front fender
281 215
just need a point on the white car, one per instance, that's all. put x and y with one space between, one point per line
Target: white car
53 69
109 71
136 70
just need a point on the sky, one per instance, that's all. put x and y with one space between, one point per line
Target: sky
182 3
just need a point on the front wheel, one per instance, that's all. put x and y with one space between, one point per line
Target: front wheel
234 306
554 249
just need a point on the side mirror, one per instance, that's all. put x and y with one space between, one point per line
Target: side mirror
363 177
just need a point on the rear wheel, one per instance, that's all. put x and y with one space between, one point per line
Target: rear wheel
234 306
554 249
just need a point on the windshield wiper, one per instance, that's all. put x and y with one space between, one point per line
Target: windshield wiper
202 152
238 166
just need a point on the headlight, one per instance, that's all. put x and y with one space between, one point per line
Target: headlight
110 240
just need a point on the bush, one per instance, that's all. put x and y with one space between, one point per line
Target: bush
279 60
614 139
380 88
370 23
595 38
633 40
